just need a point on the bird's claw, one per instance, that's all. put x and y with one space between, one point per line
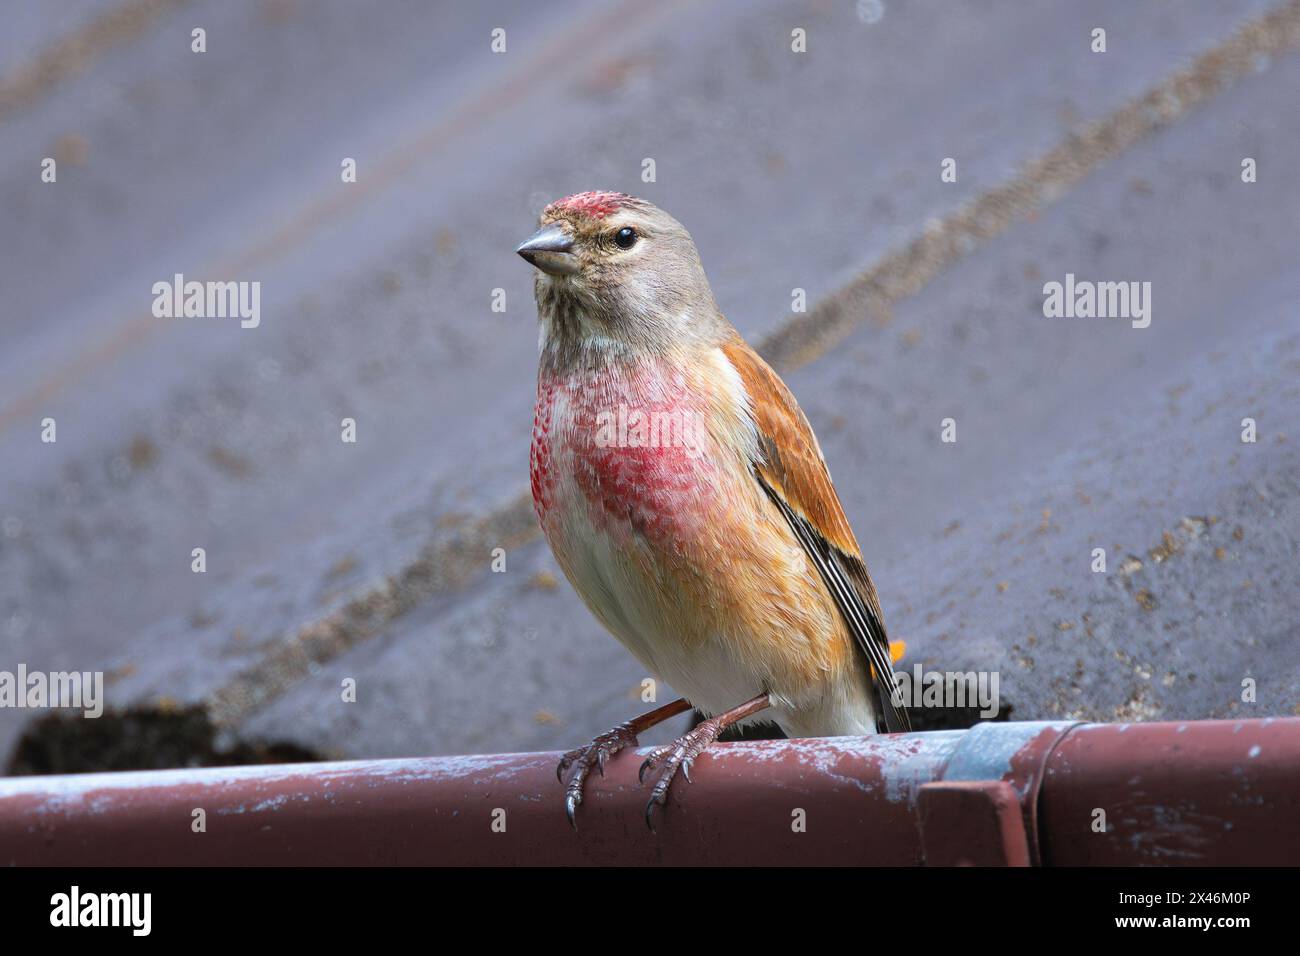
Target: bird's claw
595 754
571 800
678 755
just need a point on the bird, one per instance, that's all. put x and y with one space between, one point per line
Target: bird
686 499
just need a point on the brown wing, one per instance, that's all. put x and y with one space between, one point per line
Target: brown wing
793 473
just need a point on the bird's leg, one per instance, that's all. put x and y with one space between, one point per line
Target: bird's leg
605 746
683 751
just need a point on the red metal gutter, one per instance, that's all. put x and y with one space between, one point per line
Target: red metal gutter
1205 792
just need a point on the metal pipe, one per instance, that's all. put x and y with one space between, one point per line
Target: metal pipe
1009 794
1222 792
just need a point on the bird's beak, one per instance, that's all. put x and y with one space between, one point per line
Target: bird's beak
551 250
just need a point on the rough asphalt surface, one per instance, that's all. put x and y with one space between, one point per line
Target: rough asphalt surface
373 561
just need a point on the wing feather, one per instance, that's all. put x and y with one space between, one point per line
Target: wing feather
792 471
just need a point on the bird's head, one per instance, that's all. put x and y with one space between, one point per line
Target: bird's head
617 270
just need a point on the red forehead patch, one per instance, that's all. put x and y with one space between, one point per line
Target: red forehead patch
597 205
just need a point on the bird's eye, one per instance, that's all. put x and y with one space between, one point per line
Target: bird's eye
625 238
